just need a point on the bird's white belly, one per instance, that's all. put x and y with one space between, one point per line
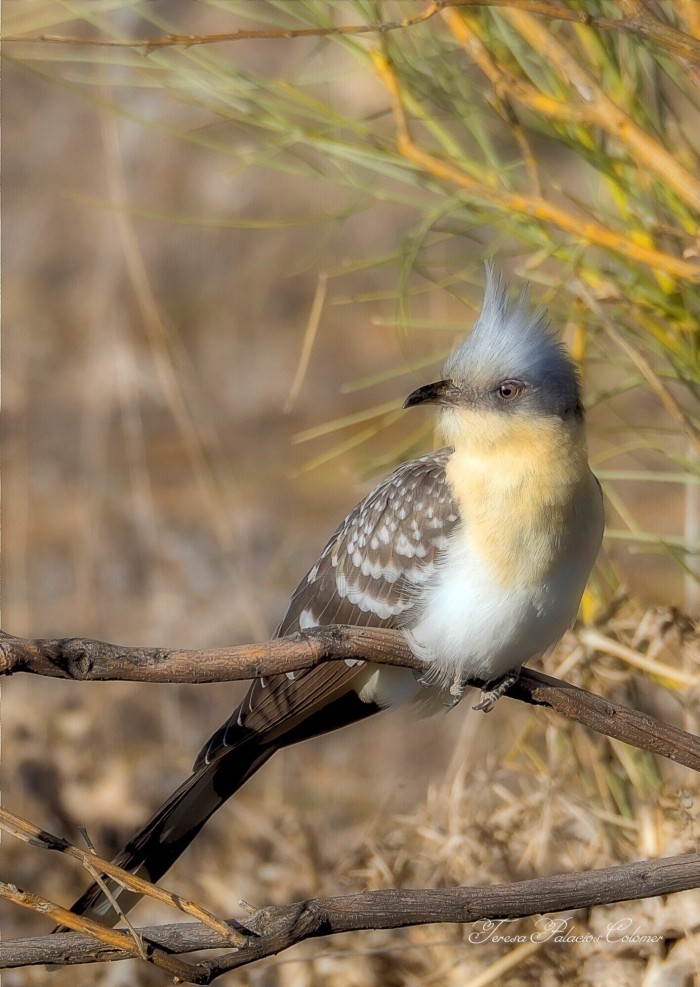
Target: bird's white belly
473 626
480 620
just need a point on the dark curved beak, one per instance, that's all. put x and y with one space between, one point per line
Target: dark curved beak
441 392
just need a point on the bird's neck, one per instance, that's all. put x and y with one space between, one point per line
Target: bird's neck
517 492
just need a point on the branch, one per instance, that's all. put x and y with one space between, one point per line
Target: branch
535 206
278 927
29 833
599 109
190 40
637 22
87 660
590 105
270 930
126 945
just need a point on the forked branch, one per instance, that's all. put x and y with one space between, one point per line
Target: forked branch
276 928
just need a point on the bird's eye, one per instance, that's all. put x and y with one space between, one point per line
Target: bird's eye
508 390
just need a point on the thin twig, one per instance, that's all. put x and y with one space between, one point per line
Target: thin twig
113 938
642 25
598 109
29 833
607 645
190 40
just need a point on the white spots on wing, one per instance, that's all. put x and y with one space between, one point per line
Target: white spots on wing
351 662
441 542
307 619
385 552
376 570
403 545
291 675
366 601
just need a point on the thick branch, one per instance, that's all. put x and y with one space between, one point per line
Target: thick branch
279 927
88 660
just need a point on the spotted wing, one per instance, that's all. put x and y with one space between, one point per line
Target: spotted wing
371 573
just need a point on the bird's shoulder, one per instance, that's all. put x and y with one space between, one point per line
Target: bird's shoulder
382 553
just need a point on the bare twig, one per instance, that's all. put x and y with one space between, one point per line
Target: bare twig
190 40
113 938
640 24
88 660
24 830
601 642
279 927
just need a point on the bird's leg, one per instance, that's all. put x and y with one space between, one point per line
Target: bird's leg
457 689
493 690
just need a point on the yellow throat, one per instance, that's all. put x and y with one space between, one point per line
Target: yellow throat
517 480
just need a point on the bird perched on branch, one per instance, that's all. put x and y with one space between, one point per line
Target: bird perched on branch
479 552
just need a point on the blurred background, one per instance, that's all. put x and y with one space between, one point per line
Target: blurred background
224 266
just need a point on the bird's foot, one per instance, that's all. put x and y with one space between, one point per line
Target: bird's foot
423 678
457 690
493 691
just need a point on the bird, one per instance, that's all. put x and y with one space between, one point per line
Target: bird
478 552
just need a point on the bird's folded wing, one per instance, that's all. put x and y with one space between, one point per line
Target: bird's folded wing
371 573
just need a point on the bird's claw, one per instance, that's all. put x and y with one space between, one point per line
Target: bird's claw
457 690
423 678
493 691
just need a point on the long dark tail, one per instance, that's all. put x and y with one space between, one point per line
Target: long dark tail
156 847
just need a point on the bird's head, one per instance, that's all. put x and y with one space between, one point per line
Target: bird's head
509 376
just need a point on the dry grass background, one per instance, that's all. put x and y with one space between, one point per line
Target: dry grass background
154 494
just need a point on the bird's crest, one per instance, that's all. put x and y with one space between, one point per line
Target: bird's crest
511 341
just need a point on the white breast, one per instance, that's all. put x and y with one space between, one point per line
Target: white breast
473 626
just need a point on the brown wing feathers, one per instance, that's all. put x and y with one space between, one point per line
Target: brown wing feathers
371 572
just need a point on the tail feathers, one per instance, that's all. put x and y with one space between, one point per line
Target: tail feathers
168 833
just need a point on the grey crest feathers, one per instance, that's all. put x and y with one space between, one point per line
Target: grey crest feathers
510 341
